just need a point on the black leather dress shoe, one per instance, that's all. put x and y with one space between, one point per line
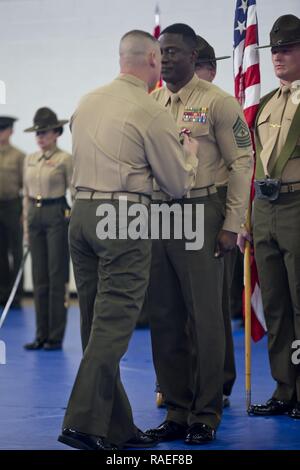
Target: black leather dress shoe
273 407
52 346
36 344
141 440
295 412
80 440
200 433
167 431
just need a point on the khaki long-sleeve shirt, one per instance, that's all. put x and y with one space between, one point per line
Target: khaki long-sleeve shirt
122 138
46 175
11 172
273 126
216 121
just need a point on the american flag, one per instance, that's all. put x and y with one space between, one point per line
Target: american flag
156 33
247 91
246 59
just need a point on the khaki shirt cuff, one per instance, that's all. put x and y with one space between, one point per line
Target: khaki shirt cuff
233 225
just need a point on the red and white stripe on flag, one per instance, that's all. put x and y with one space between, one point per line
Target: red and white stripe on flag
247 91
156 33
246 59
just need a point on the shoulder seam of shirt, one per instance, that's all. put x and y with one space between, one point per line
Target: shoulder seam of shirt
140 106
17 150
63 152
215 88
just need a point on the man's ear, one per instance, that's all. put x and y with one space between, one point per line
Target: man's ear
213 74
152 58
194 56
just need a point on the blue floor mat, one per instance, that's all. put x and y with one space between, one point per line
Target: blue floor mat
35 386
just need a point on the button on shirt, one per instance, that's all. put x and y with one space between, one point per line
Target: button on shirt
11 172
47 175
121 138
216 121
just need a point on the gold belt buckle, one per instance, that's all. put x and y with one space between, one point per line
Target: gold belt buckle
39 201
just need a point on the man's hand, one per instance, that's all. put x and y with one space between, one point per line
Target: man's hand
226 242
190 144
242 238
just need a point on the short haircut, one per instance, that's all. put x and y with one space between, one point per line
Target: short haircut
188 34
136 33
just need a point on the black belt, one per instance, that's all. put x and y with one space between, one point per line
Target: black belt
268 188
39 201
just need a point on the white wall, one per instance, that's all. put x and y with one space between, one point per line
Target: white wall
54 51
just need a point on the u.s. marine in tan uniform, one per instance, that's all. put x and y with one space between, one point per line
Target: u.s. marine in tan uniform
277 218
186 286
206 69
121 140
47 177
11 182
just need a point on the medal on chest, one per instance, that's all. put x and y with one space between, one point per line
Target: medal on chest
195 115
